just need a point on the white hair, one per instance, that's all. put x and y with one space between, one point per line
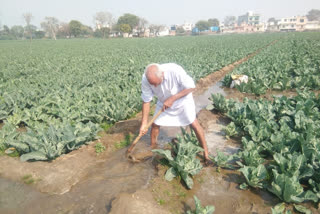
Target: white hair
158 72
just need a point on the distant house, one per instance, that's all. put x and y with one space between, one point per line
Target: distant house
164 31
250 18
312 25
214 29
187 26
294 23
146 33
273 26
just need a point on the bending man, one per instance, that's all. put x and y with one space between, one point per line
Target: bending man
173 87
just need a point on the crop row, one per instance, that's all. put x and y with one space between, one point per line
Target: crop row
280 144
293 62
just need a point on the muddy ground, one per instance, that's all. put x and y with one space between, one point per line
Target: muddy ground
85 182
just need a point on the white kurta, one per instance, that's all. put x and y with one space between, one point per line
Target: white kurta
182 112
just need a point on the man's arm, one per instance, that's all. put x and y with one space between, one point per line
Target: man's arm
169 102
145 114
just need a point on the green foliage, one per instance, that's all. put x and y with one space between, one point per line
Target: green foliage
99 148
129 20
289 189
220 103
124 143
227 80
125 28
231 130
223 160
49 143
302 209
75 28
291 63
202 25
255 176
213 22
201 210
28 179
184 162
106 126
102 32
279 208
280 151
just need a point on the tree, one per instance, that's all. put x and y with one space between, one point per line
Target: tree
31 29
64 30
27 18
100 33
75 28
51 26
6 30
125 28
39 34
130 19
214 22
180 30
142 25
229 20
155 29
202 25
313 15
17 31
86 30
103 21
5 33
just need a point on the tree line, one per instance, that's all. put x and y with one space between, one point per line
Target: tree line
105 24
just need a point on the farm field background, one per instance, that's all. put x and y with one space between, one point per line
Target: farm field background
291 63
64 91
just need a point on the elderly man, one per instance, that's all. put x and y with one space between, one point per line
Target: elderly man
173 87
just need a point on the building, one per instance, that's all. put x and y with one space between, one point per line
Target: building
249 18
294 23
312 25
272 26
164 31
187 26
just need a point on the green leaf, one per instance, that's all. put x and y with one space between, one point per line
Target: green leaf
33 156
165 153
170 174
278 209
302 209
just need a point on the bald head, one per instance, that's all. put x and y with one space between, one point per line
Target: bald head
154 74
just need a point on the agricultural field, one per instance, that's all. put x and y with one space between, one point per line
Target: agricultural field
280 137
63 92
55 96
292 62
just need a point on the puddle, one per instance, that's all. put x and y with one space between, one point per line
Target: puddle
203 100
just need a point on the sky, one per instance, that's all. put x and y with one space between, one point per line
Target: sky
165 12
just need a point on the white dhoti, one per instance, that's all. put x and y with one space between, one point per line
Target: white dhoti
183 116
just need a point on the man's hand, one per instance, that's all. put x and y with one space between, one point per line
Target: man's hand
168 103
143 129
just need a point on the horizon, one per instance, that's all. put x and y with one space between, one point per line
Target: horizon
167 13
